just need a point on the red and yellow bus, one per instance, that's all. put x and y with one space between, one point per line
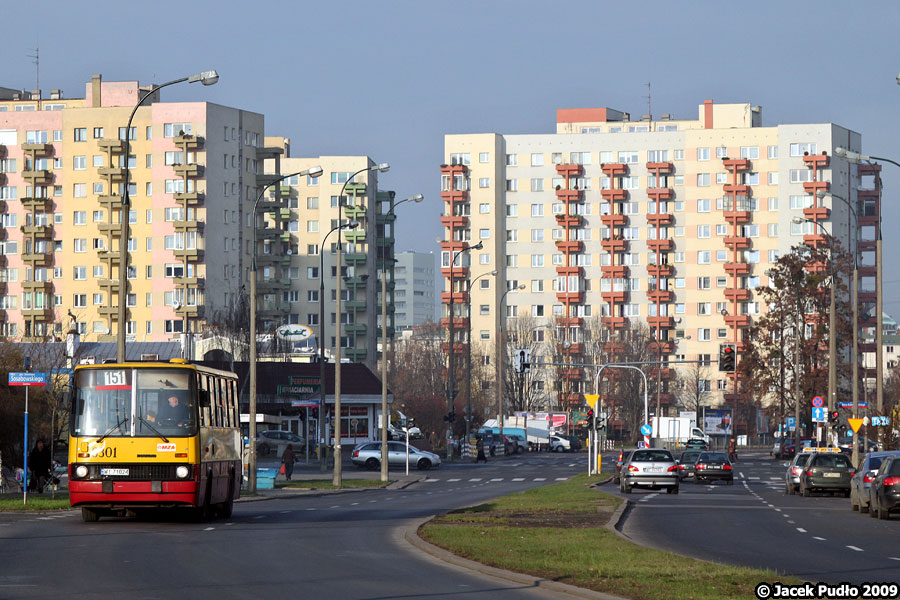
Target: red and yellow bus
154 435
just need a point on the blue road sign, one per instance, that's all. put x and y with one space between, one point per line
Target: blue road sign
791 423
818 414
646 430
28 379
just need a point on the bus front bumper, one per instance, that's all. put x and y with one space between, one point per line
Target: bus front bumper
133 493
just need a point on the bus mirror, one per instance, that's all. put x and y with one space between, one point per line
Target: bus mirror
204 399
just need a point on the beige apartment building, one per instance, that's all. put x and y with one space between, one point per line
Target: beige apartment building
670 221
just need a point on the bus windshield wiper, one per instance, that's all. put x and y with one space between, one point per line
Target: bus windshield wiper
111 429
152 428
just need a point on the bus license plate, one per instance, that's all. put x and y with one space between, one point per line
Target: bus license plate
114 472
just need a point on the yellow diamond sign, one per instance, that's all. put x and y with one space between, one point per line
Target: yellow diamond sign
591 400
855 424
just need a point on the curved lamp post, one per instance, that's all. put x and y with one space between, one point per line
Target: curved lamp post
336 419
501 358
385 421
251 476
206 78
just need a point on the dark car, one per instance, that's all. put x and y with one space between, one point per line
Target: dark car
686 463
711 466
826 472
788 450
574 443
863 478
884 493
696 444
624 455
653 468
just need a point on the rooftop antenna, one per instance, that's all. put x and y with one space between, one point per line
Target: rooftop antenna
36 59
649 106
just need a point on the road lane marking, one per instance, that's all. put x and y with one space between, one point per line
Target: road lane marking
855 548
355 503
777 509
209 529
801 530
540 479
475 479
453 480
312 509
518 479
497 479
562 478
893 558
335 506
821 539
285 512
260 517
431 480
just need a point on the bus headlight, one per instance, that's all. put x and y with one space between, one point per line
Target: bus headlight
181 472
81 471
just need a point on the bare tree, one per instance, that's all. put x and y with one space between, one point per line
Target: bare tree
528 391
693 387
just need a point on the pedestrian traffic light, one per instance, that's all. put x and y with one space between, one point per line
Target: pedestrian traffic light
834 416
601 423
522 360
727 357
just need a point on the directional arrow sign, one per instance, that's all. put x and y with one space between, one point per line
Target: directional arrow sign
855 424
818 414
592 399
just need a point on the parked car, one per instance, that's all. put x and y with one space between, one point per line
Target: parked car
653 468
846 445
863 478
686 463
368 455
559 444
574 443
624 455
787 448
696 444
792 475
884 493
491 441
515 443
273 443
826 472
711 466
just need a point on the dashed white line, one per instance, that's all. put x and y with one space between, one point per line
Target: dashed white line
893 558
777 509
497 479
475 479
372 501
821 539
209 529
801 530
540 479
855 548
312 509
452 480
562 478
260 517
335 506
355 503
431 480
285 512
518 479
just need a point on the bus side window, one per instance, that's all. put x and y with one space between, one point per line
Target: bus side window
204 410
233 402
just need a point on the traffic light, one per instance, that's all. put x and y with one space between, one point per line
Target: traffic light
727 357
315 413
834 416
601 423
450 418
302 414
522 360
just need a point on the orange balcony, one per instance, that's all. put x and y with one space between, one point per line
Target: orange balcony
666 398
737 269
738 189
570 297
737 242
737 320
660 193
455 196
458 348
570 196
570 245
569 220
570 170
737 216
614 195
614 297
660 167
614 169
614 220
738 295
570 349
614 322
661 322
817 267
736 164
663 347
567 271
454 169
453 245
459 323
661 245
666 372
660 270
815 239
455 272
455 221
818 160
571 397
570 322
811 187
817 213
570 373
614 271
660 218
660 295
457 297
611 245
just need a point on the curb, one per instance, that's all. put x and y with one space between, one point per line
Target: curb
410 533
312 492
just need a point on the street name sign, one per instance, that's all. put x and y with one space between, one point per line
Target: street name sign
28 379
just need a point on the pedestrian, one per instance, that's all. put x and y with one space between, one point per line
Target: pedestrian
39 465
287 460
479 447
732 450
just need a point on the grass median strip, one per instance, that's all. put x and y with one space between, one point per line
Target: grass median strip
558 532
61 502
326 484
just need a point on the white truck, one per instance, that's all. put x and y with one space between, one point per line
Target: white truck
677 429
535 431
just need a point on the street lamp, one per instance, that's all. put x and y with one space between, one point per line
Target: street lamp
451 384
206 78
322 432
384 355
251 476
469 350
336 419
501 358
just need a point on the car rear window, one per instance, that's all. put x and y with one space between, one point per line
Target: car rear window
689 456
838 461
713 456
652 456
895 467
875 462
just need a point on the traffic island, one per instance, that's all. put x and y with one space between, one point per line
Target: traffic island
561 533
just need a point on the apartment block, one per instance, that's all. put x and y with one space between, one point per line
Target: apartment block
670 221
193 173
415 273
296 259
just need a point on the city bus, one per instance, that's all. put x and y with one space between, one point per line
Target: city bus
151 435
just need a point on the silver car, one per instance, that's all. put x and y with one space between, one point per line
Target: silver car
863 478
653 468
273 443
792 475
368 455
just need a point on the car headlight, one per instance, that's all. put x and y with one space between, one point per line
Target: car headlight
181 472
81 471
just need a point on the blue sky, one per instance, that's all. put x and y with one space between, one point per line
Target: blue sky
389 79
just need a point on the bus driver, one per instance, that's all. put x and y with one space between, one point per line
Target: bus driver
177 413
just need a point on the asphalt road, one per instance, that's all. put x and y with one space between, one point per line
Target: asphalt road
754 523
343 546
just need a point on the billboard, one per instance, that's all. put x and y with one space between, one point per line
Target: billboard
717 421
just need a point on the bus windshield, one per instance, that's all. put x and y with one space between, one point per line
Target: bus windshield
134 402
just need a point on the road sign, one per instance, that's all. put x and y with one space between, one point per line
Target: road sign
818 402
791 423
28 379
305 403
818 414
855 424
845 404
646 430
591 400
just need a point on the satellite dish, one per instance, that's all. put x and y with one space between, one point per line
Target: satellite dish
176 305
